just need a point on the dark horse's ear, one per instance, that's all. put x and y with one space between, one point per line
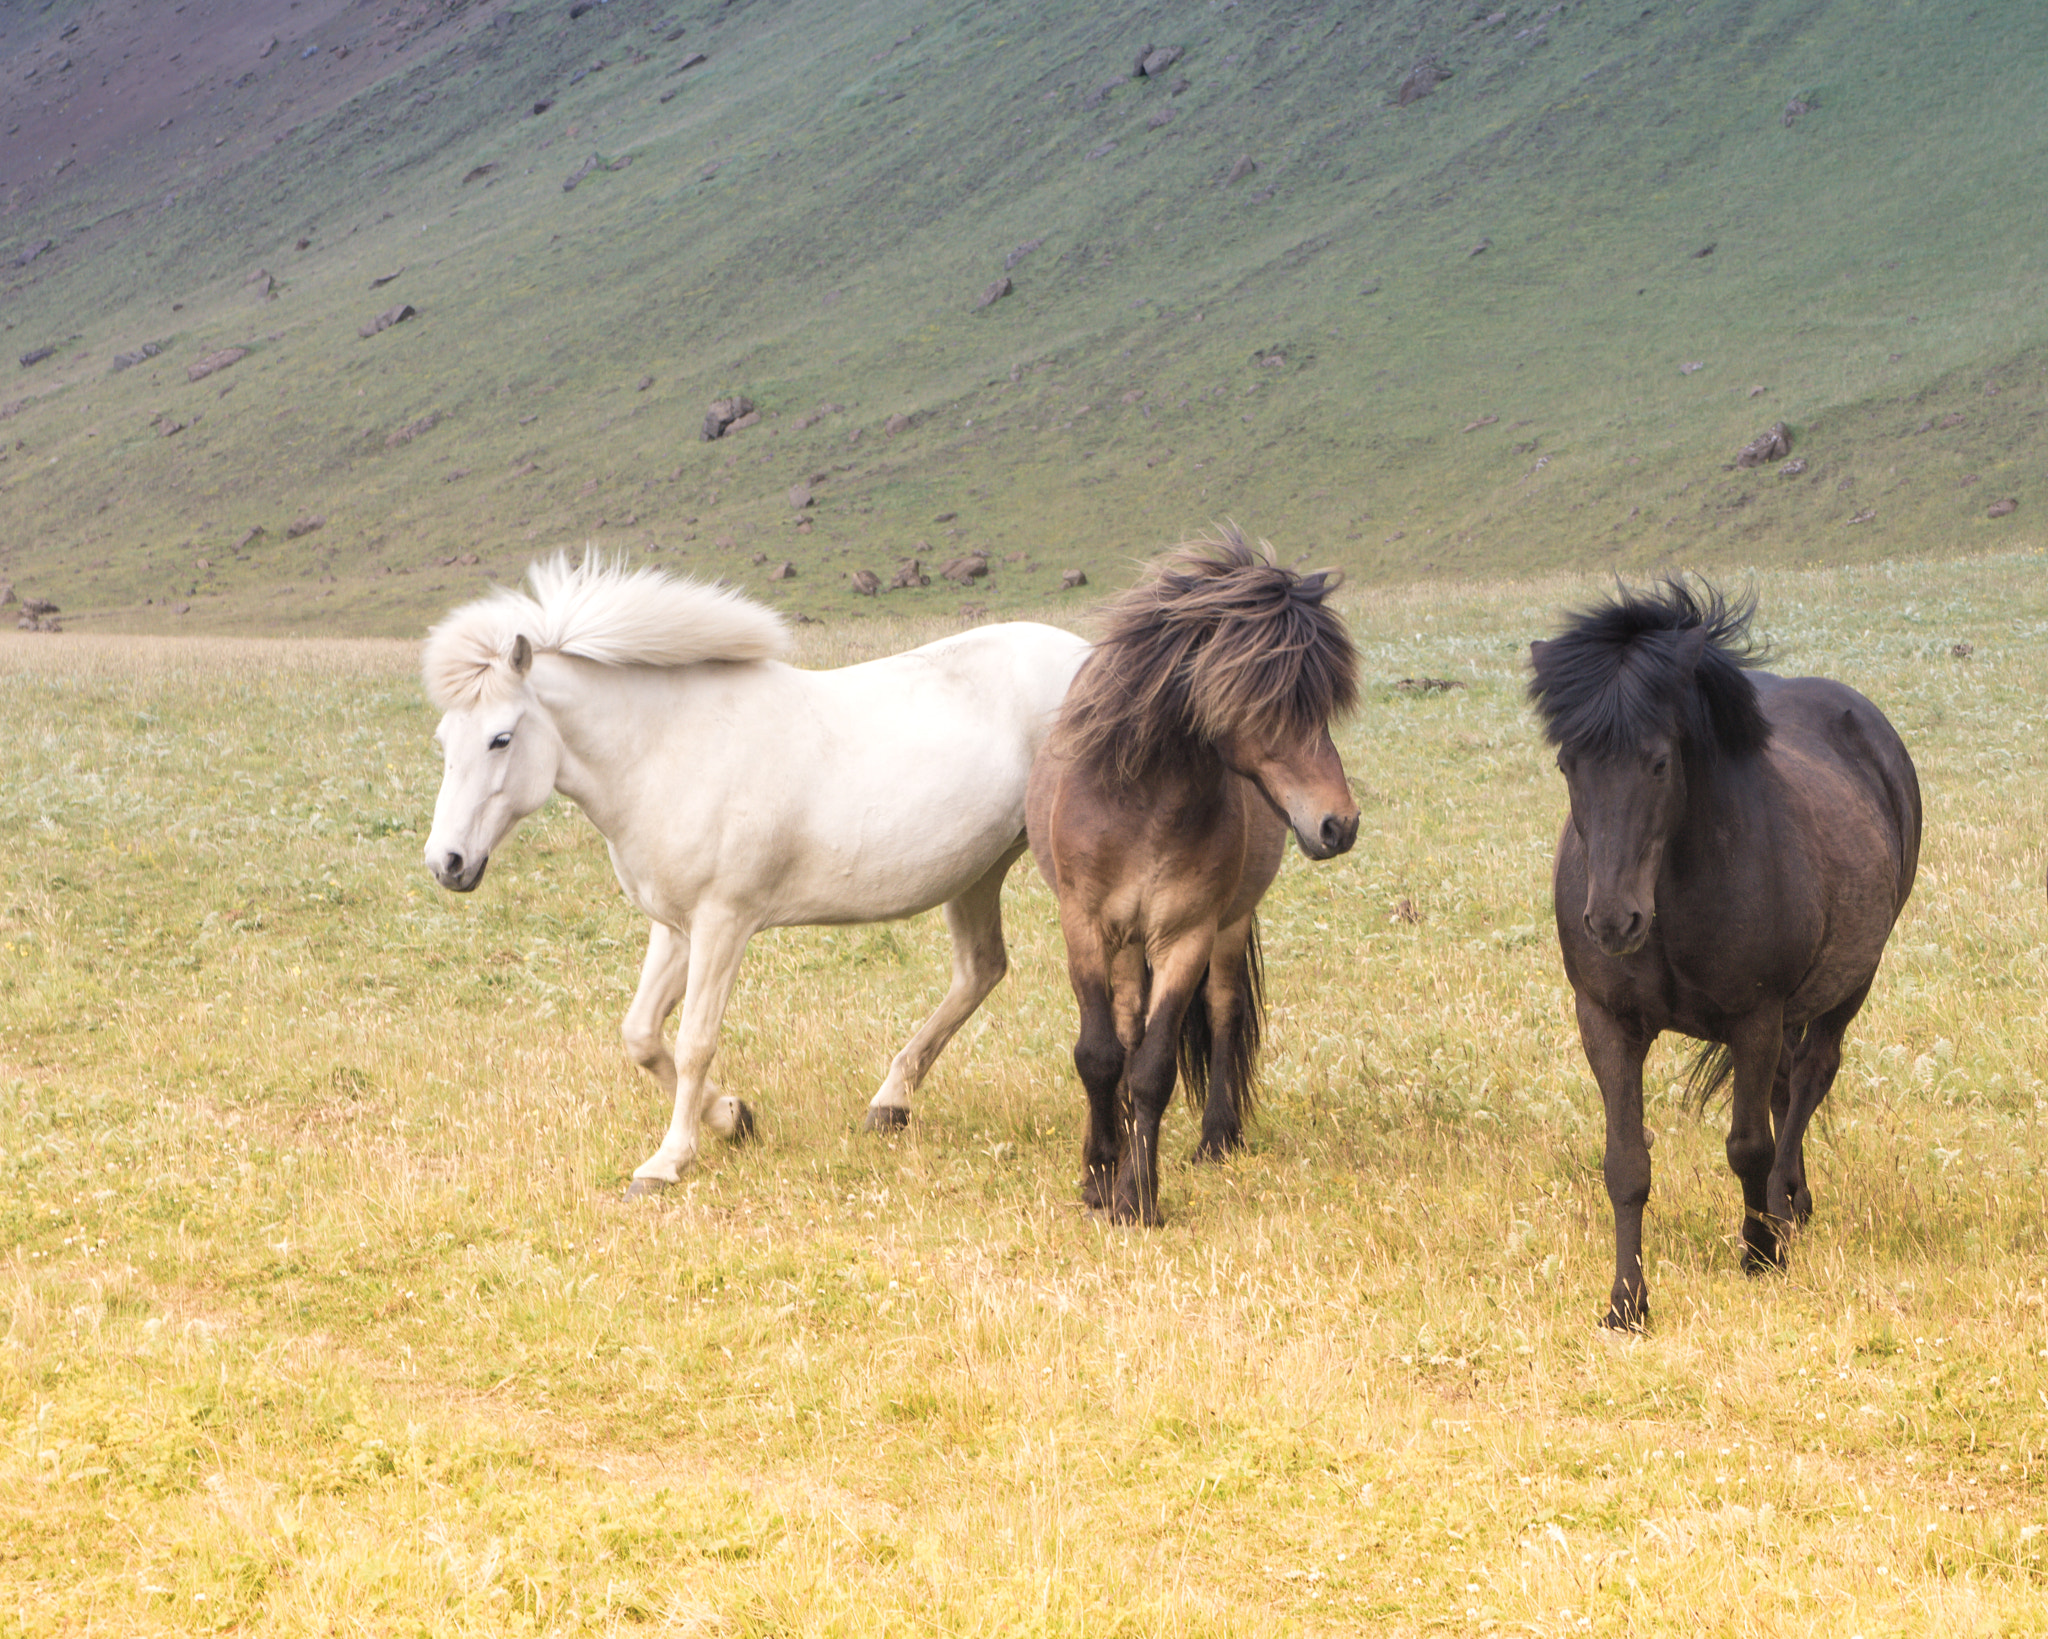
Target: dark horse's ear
1692 643
522 655
1319 583
1536 653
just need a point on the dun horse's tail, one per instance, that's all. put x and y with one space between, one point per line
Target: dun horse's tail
1198 1038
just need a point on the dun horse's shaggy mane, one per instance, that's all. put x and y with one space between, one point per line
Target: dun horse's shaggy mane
1216 640
1668 659
597 611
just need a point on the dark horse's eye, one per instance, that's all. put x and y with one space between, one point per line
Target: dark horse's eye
1660 768
500 741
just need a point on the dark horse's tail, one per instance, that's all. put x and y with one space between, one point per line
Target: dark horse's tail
1713 1067
1198 1040
1708 1073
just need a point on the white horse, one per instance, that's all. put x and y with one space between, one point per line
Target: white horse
737 793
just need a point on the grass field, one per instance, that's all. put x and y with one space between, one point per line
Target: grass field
322 1314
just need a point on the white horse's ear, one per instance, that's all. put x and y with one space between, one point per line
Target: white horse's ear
522 655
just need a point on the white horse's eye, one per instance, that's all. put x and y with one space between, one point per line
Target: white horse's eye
500 741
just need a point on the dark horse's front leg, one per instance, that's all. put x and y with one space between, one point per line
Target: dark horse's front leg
1756 1044
1615 1051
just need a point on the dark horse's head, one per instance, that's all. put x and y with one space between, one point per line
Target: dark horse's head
1640 696
1221 650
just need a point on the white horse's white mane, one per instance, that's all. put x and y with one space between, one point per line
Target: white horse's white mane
598 611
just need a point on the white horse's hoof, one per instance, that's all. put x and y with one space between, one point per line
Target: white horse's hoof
732 1119
887 1118
640 1188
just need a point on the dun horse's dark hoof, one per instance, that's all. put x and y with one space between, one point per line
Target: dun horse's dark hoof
887 1118
743 1129
641 1188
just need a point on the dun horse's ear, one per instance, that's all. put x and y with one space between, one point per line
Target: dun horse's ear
522 655
1322 582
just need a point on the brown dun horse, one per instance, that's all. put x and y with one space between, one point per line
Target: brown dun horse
1196 735
1738 850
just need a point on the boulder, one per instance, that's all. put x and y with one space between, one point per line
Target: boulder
385 320
865 582
723 414
1420 81
1774 443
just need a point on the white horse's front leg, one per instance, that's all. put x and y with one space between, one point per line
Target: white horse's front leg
974 917
710 960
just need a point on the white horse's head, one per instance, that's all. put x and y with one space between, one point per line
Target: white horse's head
500 748
499 753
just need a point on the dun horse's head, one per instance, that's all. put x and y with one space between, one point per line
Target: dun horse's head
1219 649
1642 697
1303 778
499 754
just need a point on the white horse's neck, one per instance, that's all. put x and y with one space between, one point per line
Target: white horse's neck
612 719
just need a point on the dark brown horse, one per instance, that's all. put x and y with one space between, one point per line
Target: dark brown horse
1196 735
1738 850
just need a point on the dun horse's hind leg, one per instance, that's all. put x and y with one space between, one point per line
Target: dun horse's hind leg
1233 1038
714 948
1756 1045
1616 1056
1812 1074
974 917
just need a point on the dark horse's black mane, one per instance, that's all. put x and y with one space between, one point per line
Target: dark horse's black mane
1660 660
1216 638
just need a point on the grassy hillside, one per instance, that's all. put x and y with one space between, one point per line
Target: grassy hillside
1524 321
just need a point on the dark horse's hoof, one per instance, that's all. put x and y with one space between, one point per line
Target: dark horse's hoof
887 1118
640 1188
1635 1318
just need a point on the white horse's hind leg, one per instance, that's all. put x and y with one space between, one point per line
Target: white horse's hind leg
716 943
975 919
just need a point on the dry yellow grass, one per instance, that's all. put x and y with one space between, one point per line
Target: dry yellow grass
322 1314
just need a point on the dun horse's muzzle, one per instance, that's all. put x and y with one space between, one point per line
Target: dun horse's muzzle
1334 836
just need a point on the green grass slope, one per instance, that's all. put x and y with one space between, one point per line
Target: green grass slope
1525 321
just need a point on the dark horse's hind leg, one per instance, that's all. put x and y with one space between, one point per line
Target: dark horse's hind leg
1756 1044
1811 1074
1230 996
1615 1051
